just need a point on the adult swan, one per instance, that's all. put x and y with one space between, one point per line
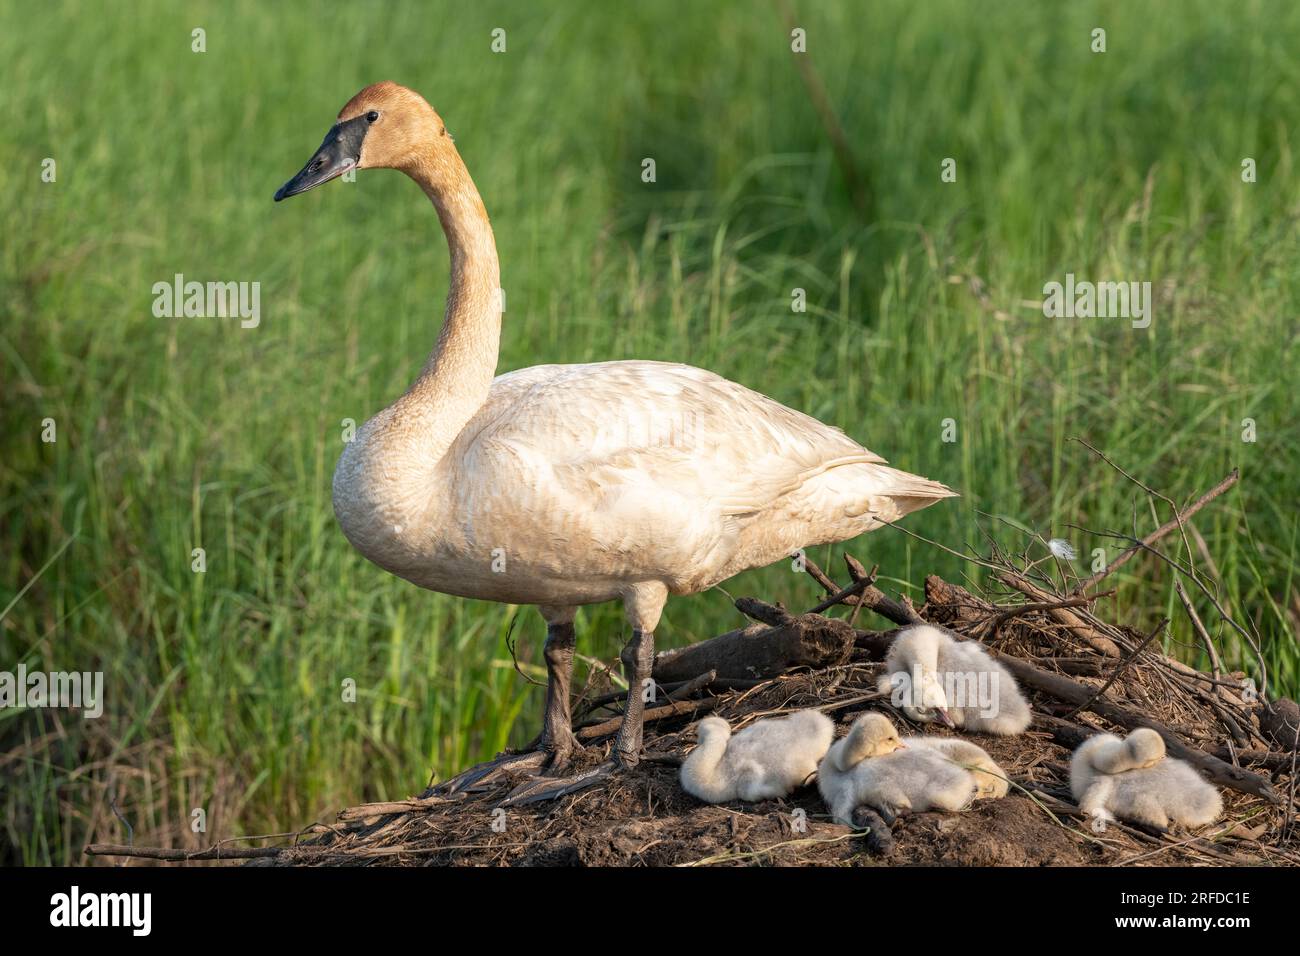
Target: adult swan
565 485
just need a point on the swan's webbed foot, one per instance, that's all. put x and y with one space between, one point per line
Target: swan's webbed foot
485 774
879 838
540 789
555 748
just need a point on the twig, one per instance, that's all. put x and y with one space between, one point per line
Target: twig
1197 626
991 629
1164 529
692 686
854 589
159 853
1080 628
130 830
607 727
872 598
1120 668
1249 638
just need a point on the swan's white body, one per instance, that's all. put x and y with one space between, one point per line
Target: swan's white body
583 480
768 759
923 773
987 700
1134 780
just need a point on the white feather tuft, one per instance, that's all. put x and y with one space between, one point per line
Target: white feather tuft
1062 549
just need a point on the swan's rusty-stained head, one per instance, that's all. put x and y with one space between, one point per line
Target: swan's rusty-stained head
385 126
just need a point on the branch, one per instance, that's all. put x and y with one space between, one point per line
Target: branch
1197 626
178 856
1164 529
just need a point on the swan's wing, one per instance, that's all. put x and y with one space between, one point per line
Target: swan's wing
683 425
657 467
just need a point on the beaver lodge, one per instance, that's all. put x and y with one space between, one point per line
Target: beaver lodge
1081 673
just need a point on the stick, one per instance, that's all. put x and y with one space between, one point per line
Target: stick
857 587
394 806
872 598
1120 668
606 727
158 853
1164 529
1197 626
856 573
1077 626
991 629
757 651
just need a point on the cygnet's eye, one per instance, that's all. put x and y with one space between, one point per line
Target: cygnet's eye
372 116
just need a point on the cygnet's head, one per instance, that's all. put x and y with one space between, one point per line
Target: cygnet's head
877 735
1145 746
927 701
711 728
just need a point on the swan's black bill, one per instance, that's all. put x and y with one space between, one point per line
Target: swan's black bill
340 152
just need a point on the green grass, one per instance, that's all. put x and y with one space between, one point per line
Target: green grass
223 688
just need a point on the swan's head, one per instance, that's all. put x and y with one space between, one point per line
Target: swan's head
385 126
878 735
1145 746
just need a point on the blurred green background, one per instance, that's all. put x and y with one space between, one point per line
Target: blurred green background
223 688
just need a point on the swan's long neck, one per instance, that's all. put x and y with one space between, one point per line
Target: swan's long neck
459 372
702 772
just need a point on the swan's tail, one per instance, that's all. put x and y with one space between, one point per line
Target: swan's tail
900 492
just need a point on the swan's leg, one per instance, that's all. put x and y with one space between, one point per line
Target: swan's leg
557 742
557 731
638 657
643 605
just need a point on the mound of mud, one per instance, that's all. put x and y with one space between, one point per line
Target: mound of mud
1080 674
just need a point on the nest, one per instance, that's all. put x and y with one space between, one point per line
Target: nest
1081 674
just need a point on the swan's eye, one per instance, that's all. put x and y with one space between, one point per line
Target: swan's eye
372 116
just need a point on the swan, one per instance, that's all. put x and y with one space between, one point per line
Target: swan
872 765
770 758
933 676
1134 780
567 485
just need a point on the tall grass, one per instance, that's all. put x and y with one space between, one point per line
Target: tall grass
224 688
